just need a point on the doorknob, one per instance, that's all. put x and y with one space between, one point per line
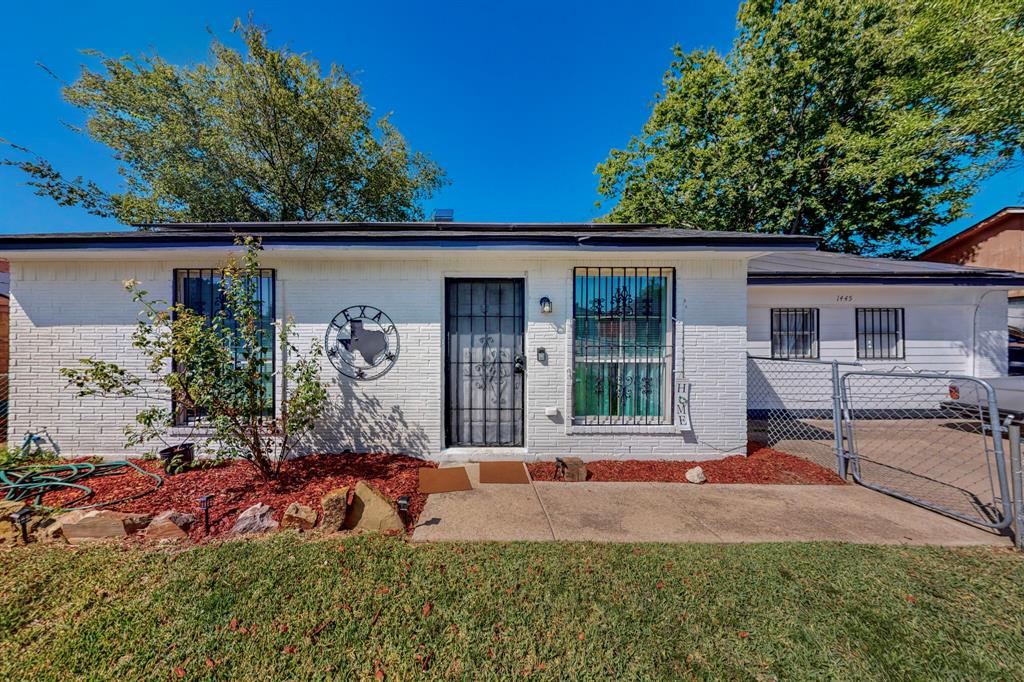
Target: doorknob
519 365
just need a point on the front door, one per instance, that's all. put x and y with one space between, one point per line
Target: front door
484 362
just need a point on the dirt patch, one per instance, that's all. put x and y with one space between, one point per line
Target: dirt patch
236 486
761 465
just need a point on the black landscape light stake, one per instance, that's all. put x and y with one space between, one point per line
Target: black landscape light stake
403 508
21 517
204 504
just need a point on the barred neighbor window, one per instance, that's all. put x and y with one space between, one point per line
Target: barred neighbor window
880 334
200 291
794 333
622 345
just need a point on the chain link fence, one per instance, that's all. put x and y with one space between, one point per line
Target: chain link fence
910 435
792 406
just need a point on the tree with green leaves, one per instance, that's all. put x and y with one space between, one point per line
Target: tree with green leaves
868 123
215 373
260 136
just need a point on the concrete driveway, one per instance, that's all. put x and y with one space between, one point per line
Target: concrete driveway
673 512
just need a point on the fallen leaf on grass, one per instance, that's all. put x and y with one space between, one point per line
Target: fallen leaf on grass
314 634
290 649
660 585
911 598
210 664
744 634
180 672
426 609
233 625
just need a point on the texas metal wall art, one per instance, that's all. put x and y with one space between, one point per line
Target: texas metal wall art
362 342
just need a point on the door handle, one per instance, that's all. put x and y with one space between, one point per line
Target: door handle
519 364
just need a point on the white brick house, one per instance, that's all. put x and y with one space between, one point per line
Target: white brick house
527 341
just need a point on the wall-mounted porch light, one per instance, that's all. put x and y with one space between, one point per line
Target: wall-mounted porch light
545 305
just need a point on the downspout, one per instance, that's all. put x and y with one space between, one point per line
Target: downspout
974 331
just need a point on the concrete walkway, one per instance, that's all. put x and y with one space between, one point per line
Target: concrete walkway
672 512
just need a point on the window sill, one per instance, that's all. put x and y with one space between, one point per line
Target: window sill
652 429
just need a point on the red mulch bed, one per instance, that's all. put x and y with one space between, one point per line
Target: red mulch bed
761 465
236 486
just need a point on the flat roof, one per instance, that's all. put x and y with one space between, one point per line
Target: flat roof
418 234
822 267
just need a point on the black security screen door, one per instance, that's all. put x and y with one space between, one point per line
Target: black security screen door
484 362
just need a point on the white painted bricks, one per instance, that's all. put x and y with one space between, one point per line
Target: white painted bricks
62 311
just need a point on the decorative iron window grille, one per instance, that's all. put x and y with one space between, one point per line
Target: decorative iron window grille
622 345
794 333
200 290
880 334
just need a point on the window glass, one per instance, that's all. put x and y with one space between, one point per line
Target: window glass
622 345
794 333
200 290
880 333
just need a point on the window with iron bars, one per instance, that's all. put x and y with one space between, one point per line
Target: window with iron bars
880 334
200 290
622 345
794 333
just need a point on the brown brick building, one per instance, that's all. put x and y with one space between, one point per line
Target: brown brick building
995 242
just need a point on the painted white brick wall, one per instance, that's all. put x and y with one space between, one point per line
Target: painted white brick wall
61 311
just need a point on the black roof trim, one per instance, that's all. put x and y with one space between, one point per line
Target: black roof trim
415 235
1009 280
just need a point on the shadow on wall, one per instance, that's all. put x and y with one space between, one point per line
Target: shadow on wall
358 422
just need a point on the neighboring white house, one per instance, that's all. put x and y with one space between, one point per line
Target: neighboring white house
456 340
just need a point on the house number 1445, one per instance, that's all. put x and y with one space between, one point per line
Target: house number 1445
844 298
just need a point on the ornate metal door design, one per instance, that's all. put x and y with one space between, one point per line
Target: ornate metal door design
484 362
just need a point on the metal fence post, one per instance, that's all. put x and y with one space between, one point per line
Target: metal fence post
1017 476
837 424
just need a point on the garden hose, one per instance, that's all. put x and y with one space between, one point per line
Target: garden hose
25 483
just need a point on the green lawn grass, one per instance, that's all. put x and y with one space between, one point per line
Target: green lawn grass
288 608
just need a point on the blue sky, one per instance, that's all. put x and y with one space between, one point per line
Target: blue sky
517 101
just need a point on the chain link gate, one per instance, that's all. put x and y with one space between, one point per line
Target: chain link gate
904 433
909 435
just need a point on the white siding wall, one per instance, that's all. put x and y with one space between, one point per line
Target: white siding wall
61 311
955 330
940 324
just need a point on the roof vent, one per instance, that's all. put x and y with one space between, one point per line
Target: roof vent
443 215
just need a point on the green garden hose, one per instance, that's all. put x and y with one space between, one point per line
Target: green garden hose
25 483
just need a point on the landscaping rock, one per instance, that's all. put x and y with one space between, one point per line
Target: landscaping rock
335 504
696 475
256 519
170 525
101 525
298 516
372 511
571 469
10 532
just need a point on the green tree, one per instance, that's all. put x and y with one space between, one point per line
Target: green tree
217 371
254 137
865 122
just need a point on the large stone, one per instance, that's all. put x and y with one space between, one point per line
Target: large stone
571 469
170 525
10 532
298 516
696 475
102 524
371 511
335 505
256 519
